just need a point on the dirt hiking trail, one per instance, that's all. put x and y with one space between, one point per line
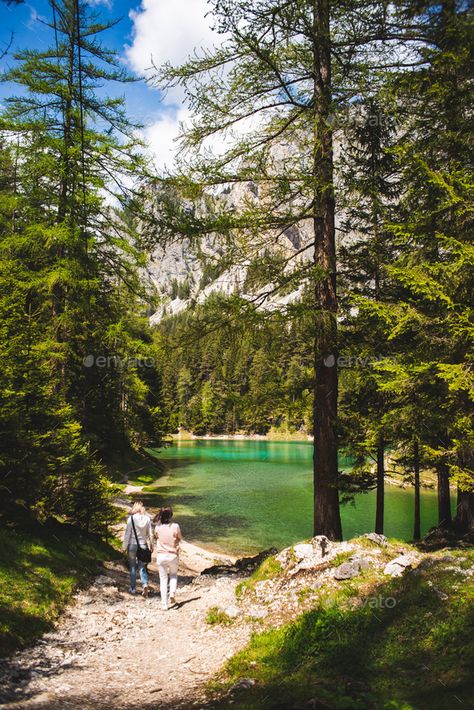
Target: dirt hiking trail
114 650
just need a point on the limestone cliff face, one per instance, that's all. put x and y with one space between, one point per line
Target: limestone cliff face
183 272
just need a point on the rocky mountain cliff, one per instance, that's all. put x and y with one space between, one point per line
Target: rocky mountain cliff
183 273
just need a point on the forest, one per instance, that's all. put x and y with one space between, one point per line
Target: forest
378 181
248 220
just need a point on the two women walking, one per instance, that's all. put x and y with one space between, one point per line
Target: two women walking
140 535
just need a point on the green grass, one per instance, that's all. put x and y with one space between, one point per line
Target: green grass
39 570
415 654
216 616
340 558
268 569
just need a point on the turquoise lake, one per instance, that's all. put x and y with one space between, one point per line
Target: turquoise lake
245 496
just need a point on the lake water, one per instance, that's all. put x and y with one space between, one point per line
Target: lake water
245 496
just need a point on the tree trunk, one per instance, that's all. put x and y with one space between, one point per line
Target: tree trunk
416 471
444 498
464 519
67 176
327 520
380 505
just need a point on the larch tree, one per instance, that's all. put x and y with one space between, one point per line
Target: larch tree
368 190
271 90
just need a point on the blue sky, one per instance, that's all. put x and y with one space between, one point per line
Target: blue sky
168 30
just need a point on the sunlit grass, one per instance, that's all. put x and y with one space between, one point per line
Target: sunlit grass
38 572
218 617
417 653
268 569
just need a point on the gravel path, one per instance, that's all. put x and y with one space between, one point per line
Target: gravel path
113 650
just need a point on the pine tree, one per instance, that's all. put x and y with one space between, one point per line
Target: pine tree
432 235
73 337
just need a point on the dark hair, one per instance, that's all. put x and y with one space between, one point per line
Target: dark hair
164 515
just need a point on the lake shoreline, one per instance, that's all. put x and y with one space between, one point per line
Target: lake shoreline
271 436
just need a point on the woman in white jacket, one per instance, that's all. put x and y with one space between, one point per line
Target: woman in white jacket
143 533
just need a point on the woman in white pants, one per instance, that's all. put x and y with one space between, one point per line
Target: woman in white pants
168 537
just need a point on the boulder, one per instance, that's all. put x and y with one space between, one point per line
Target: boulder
303 550
243 684
397 566
347 570
377 538
322 545
363 561
352 567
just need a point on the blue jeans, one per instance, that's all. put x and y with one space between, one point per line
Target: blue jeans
142 570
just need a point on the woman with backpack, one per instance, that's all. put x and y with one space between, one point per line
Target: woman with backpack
168 537
138 533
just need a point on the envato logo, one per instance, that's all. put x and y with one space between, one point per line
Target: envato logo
357 116
117 362
380 602
352 360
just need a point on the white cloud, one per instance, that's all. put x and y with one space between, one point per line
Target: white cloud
168 31
161 136
94 3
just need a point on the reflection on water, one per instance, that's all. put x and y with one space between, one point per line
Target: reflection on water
243 496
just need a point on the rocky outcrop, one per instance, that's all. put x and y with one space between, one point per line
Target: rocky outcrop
182 272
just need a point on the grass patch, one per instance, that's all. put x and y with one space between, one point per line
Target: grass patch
39 570
305 593
341 557
416 653
268 569
143 479
218 617
392 542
